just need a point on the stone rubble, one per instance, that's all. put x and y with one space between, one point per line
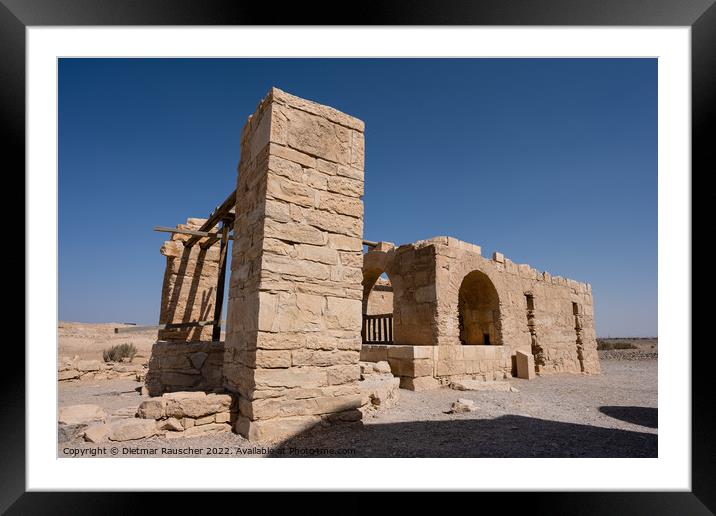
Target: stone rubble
73 420
462 405
75 369
379 388
178 414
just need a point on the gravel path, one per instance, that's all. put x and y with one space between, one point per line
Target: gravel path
609 415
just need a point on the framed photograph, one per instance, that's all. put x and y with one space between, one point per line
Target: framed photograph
445 249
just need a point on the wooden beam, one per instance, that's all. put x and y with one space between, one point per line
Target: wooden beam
216 216
219 301
163 229
370 243
169 326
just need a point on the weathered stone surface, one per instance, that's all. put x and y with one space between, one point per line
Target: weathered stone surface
479 385
382 367
208 429
67 433
422 383
81 414
223 417
131 429
525 365
380 391
275 429
68 374
194 404
462 405
282 407
198 359
96 433
178 366
124 412
343 374
204 420
152 409
172 424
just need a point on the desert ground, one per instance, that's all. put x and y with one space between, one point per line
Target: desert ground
613 414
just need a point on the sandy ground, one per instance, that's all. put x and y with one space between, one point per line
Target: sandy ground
89 340
609 415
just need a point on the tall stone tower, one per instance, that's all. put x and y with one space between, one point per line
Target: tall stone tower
294 312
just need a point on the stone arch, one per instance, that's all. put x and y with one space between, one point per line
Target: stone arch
478 310
371 279
381 292
378 294
376 264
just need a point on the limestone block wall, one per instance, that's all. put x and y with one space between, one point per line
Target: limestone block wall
185 366
557 327
411 271
189 288
552 316
380 298
294 313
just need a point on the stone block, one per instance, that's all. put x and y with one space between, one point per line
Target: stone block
422 383
97 433
207 429
290 378
81 414
172 424
132 429
341 374
223 417
525 365
152 408
411 367
373 353
462 405
275 429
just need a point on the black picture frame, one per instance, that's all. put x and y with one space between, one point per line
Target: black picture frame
700 15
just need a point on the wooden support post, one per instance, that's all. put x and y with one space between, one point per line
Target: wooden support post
219 214
219 303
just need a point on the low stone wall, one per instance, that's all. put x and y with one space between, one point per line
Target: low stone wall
189 414
185 366
428 367
74 369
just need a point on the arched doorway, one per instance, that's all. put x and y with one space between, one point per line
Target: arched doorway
479 311
377 307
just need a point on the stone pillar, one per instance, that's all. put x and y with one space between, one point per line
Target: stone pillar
294 313
189 288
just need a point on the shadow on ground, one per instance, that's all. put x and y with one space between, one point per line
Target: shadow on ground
505 436
644 416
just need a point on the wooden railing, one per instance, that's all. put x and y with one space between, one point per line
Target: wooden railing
377 329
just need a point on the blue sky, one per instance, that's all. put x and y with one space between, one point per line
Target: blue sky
551 161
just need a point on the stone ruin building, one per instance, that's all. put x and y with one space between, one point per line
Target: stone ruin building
306 303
